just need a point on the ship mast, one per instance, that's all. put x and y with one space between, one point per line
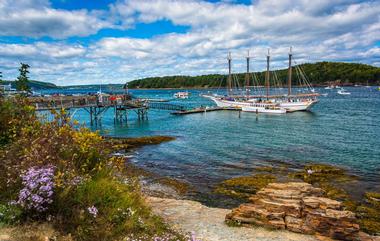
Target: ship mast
229 80
247 76
290 73
267 75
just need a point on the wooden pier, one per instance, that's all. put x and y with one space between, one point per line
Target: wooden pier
204 110
97 105
122 106
94 105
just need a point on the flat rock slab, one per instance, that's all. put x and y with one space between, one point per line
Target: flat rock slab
208 223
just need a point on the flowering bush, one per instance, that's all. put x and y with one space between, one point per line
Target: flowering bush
37 193
64 174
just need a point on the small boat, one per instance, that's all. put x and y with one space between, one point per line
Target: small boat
181 95
328 88
343 92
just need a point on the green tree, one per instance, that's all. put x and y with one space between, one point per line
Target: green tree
318 74
23 79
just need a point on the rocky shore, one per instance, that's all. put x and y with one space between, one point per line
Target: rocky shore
208 223
281 211
298 207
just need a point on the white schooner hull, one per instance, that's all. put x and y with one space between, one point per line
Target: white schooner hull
258 109
288 106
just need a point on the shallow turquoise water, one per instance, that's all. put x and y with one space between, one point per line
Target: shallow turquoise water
340 130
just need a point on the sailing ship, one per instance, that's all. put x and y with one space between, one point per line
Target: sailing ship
267 102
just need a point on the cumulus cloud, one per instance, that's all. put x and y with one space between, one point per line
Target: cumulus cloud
321 29
340 30
41 50
36 18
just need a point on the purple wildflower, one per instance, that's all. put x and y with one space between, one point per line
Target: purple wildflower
193 237
37 193
93 211
76 181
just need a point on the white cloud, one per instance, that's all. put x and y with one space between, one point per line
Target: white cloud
319 30
35 18
41 51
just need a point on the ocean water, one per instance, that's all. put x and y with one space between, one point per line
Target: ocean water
211 147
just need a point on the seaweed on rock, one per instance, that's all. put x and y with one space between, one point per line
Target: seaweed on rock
244 187
123 144
369 213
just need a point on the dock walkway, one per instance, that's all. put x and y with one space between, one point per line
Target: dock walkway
204 109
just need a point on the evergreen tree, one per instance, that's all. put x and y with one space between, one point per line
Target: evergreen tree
23 79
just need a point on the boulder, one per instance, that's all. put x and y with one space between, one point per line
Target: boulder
298 207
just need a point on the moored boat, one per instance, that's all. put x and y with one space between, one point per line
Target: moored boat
343 92
291 102
181 95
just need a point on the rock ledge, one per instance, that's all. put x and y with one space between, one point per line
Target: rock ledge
298 207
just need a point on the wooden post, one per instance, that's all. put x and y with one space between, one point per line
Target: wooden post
91 116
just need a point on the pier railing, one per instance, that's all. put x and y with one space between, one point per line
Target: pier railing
165 106
69 102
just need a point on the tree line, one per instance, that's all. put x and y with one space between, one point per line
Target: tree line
321 73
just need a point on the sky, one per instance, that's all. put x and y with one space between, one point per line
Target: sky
74 42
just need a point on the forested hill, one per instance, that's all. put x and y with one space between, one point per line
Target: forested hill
317 73
34 84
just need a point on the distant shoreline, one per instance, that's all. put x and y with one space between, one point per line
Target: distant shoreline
294 86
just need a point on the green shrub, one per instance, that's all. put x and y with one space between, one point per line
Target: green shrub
9 214
120 211
15 113
88 199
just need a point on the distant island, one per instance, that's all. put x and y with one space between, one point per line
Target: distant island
33 84
320 73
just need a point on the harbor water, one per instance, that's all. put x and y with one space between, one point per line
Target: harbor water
342 130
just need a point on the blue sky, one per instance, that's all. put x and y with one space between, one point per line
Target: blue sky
112 41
